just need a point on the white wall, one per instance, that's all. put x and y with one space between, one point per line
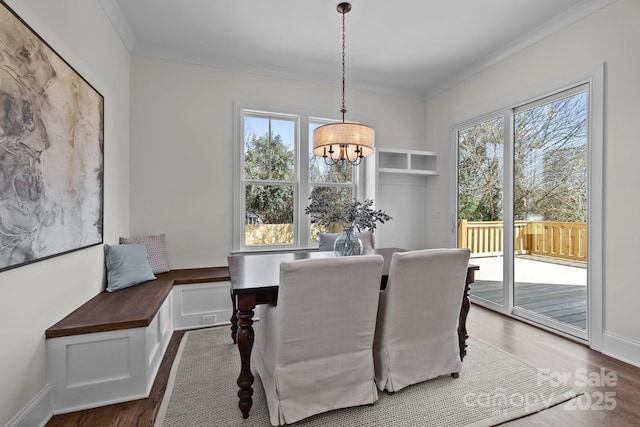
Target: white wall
611 35
38 295
182 146
182 149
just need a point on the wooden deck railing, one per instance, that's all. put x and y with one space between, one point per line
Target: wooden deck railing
567 240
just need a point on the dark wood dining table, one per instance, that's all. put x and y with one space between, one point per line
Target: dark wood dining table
255 280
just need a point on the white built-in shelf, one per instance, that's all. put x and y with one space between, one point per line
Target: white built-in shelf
407 161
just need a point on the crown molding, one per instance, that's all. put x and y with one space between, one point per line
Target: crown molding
332 80
119 22
549 28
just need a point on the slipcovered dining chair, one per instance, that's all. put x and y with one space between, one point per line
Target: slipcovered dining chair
313 350
416 333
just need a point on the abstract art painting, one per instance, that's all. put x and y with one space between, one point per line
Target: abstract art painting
51 150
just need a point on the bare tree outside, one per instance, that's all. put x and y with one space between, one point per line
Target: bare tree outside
550 164
550 161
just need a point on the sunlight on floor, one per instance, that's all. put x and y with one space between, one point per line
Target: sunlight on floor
531 271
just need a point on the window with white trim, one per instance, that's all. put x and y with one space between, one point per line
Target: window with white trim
276 172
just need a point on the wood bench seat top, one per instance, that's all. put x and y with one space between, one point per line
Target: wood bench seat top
133 307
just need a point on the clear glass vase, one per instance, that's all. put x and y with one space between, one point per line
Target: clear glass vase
348 243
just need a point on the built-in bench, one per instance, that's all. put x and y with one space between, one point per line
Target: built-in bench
110 348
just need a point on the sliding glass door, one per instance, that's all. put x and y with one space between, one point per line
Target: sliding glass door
522 209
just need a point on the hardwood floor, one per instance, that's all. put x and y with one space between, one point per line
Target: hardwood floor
562 356
532 345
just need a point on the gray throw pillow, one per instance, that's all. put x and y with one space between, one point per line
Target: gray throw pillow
127 265
326 241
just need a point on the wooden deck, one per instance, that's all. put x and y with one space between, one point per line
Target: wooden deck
546 286
564 303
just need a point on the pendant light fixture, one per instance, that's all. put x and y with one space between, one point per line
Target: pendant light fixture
342 143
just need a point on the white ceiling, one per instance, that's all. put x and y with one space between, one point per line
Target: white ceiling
408 47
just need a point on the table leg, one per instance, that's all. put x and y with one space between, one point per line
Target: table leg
464 311
234 318
246 304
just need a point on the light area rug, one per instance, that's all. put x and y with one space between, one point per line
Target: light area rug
493 387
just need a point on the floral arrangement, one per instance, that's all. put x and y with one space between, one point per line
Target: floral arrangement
352 212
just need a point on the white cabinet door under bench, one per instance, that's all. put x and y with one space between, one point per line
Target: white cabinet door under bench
91 370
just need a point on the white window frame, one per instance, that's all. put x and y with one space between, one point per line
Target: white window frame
302 186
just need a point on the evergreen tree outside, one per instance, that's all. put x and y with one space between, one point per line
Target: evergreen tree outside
322 176
268 158
480 171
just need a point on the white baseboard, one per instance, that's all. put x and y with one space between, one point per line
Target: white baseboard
37 413
621 348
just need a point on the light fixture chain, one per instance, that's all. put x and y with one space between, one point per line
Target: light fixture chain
343 143
344 108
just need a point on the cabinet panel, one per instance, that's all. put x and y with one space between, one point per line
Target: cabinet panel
201 305
404 198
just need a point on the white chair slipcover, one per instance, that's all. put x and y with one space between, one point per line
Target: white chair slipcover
313 351
416 334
